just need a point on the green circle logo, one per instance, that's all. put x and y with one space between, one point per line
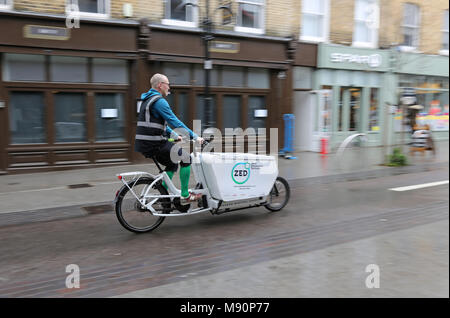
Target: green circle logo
240 172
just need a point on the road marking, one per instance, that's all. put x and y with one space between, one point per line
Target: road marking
419 186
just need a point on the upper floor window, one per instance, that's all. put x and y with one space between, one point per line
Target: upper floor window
180 13
250 16
315 20
444 49
367 17
411 25
6 4
89 8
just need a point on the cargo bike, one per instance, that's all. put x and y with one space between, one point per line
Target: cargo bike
226 181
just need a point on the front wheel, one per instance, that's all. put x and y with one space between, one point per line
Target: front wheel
131 214
279 195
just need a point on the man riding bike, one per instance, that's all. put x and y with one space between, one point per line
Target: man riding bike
152 131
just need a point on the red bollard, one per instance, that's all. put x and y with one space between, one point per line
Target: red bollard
324 146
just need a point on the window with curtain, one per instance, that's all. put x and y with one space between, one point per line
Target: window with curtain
314 20
411 25
250 15
366 23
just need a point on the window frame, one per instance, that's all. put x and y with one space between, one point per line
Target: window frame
82 14
443 32
7 6
415 46
262 20
181 23
325 24
374 32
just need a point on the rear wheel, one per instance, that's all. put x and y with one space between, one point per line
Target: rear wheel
279 195
132 214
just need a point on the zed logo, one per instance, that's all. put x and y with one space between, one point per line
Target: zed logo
241 172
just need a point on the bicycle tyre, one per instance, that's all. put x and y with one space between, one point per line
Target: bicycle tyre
120 201
272 207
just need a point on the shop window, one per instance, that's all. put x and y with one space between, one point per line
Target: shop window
109 117
373 110
199 76
27 117
257 112
444 49
411 25
180 13
68 69
366 23
250 16
23 67
177 73
315 15
94 8
341 105
200 111
109 71
258 78
231 112
6 4
183 108
232 76
355 108
70 117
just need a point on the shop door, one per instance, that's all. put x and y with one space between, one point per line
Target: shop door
312 119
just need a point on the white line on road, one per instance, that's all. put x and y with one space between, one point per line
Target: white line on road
419 186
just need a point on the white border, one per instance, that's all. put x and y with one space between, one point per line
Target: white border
326 26
262 21
374 32
407 48
181 23
90 14
7 6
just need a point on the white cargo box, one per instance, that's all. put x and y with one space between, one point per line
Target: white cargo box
237 176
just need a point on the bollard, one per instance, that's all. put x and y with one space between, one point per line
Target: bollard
288 136
324 146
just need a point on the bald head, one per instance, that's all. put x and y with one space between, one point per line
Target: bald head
157 79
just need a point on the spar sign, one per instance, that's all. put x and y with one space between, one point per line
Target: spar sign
240 172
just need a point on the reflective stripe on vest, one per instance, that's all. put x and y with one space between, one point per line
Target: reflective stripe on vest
152 128
150 138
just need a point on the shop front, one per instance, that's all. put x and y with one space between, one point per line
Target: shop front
350 88
65 94
423 79
248 80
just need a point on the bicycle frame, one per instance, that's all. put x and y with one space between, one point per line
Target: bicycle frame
147 200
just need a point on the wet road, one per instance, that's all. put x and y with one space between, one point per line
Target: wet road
248 246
